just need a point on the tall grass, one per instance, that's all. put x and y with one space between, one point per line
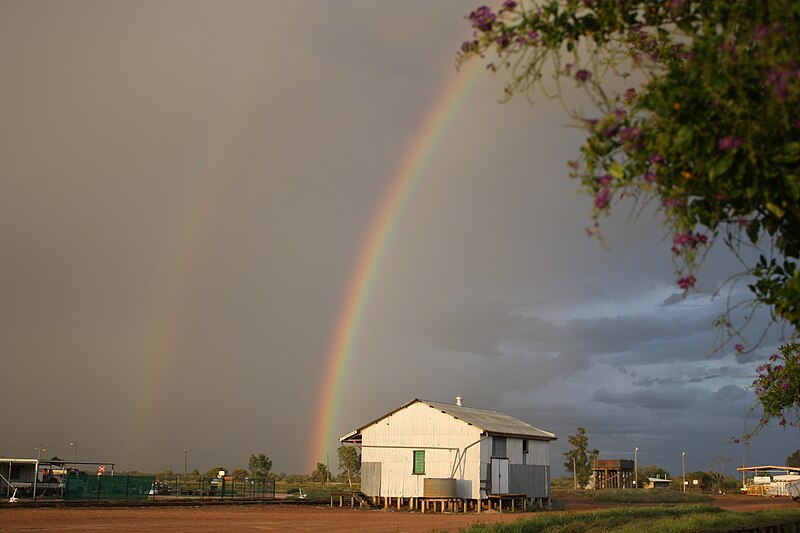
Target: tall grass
678 519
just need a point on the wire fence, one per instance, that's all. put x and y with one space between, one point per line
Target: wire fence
219 487
100 488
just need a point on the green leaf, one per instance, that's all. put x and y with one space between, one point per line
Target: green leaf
684 137
616 170
721 166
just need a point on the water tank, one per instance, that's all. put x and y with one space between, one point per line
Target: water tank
440 487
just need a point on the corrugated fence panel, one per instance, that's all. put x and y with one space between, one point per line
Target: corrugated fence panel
531 480
371 479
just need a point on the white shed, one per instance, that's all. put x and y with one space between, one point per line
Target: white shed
476 452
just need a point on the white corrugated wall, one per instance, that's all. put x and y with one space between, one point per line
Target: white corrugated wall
421 427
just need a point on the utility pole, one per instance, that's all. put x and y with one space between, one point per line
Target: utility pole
184 464
40 449
574 473
636 465
683 470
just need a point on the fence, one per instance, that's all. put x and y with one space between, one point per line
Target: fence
83 487
227 487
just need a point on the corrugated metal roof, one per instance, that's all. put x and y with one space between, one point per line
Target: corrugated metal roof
492 421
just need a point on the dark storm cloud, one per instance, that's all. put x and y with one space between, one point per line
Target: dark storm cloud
686 373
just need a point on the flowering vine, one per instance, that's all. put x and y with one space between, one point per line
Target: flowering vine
706 127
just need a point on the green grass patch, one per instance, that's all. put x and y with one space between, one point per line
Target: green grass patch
678 519
312 489
635 496
650 496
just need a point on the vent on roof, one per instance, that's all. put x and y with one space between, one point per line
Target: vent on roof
458 400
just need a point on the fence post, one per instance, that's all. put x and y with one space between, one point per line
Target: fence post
99 482
127 486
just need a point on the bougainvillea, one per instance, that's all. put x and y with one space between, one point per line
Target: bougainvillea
696 110
778 388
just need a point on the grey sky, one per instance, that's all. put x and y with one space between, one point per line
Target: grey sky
186 188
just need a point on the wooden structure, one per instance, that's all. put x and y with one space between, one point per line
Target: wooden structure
452 457
613 473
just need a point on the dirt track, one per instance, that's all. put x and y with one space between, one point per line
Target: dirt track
277 517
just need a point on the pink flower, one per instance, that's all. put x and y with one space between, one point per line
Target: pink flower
602 199
482 18
605 179
687 282
729 143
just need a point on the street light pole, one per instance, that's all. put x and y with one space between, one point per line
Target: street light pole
75 451
40 449
184 464
683 469
636 465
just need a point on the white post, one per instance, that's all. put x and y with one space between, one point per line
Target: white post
683 469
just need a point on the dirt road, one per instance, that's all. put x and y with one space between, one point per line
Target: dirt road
278 517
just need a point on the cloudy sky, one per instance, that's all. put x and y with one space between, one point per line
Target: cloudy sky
187 186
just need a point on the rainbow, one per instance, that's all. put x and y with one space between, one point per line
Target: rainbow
400 189
214 166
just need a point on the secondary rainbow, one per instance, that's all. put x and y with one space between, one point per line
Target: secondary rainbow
389 211
164 337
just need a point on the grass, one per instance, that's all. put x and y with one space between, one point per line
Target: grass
639 496
312 490
679 519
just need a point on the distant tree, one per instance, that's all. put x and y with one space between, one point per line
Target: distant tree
579 457
794 459
349 462
166 475
240 473
321 473
194 474
56 458
705 481
214 472
647 471
260 465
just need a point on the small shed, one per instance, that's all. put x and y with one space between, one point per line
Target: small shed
424 449
657 483
17 474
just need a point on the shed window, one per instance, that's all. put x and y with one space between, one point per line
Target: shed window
419 462
524 446
499 447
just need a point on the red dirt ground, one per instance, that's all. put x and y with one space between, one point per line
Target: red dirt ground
277 517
